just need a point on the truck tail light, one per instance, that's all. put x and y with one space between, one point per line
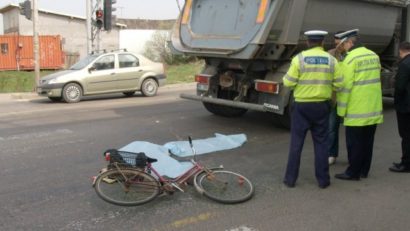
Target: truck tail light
262 11
187 10
267 86
202 79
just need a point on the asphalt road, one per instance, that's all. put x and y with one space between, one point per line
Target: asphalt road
49 151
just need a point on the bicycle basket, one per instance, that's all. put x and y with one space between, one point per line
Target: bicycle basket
113 156
138 160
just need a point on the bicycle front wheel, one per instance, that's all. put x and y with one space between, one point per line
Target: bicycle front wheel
224 186
126 187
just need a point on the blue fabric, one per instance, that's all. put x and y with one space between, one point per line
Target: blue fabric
218 143
334 123
313 116
166 165
317 60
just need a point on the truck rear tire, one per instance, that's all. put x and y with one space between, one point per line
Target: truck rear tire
224 111
284 119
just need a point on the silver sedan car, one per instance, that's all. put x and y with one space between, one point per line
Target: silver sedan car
102 73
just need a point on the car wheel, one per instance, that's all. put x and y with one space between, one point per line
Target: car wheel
72 93
129 93
55 99
149 87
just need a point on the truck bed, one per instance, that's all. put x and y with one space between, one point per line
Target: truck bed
241 28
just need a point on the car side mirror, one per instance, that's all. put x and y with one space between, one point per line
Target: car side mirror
91 69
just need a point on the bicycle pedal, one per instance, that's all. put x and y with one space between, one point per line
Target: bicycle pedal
93 178
165 193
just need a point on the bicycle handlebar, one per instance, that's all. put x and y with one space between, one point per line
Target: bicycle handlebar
190 141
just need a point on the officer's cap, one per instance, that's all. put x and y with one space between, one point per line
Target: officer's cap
316 34
347 34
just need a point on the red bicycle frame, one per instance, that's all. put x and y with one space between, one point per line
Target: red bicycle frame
180 179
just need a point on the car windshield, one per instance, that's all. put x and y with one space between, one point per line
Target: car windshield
83 62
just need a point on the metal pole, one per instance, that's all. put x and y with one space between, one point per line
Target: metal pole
98 40
88 26
98 33
36 44
407 37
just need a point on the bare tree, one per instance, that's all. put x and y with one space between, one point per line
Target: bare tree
179 5
157 49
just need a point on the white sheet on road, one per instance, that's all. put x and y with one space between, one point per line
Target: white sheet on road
218 143
168 166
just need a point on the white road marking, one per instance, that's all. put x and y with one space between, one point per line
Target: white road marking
36 135
242 228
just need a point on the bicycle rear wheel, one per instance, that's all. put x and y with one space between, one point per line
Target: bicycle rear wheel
224 186
126 187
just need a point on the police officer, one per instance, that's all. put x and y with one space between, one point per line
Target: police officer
334 119
312 75
359 102
402 105
338 51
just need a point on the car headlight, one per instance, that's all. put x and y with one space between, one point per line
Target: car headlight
51 81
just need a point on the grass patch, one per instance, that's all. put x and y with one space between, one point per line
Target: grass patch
183 73
23 81
18 81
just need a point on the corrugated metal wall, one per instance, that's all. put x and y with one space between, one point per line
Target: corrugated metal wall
16 52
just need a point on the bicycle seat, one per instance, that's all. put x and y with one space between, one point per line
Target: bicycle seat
151 160
142 159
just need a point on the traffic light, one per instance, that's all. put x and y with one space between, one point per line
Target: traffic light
108 17
25 9
99 18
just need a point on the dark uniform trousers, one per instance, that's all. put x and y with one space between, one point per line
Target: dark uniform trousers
403 121
359 141
313 116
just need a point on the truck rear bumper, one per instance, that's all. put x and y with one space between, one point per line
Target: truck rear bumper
224 102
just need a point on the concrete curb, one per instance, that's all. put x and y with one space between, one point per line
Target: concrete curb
33 95
177 85
23 95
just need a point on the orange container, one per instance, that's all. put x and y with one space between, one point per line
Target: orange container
16 52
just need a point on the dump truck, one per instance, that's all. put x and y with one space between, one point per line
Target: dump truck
247 45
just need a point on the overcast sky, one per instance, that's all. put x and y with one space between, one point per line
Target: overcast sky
144 9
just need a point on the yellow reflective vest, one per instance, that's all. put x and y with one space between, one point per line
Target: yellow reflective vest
359 101
312 75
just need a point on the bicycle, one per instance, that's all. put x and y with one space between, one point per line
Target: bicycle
128 184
